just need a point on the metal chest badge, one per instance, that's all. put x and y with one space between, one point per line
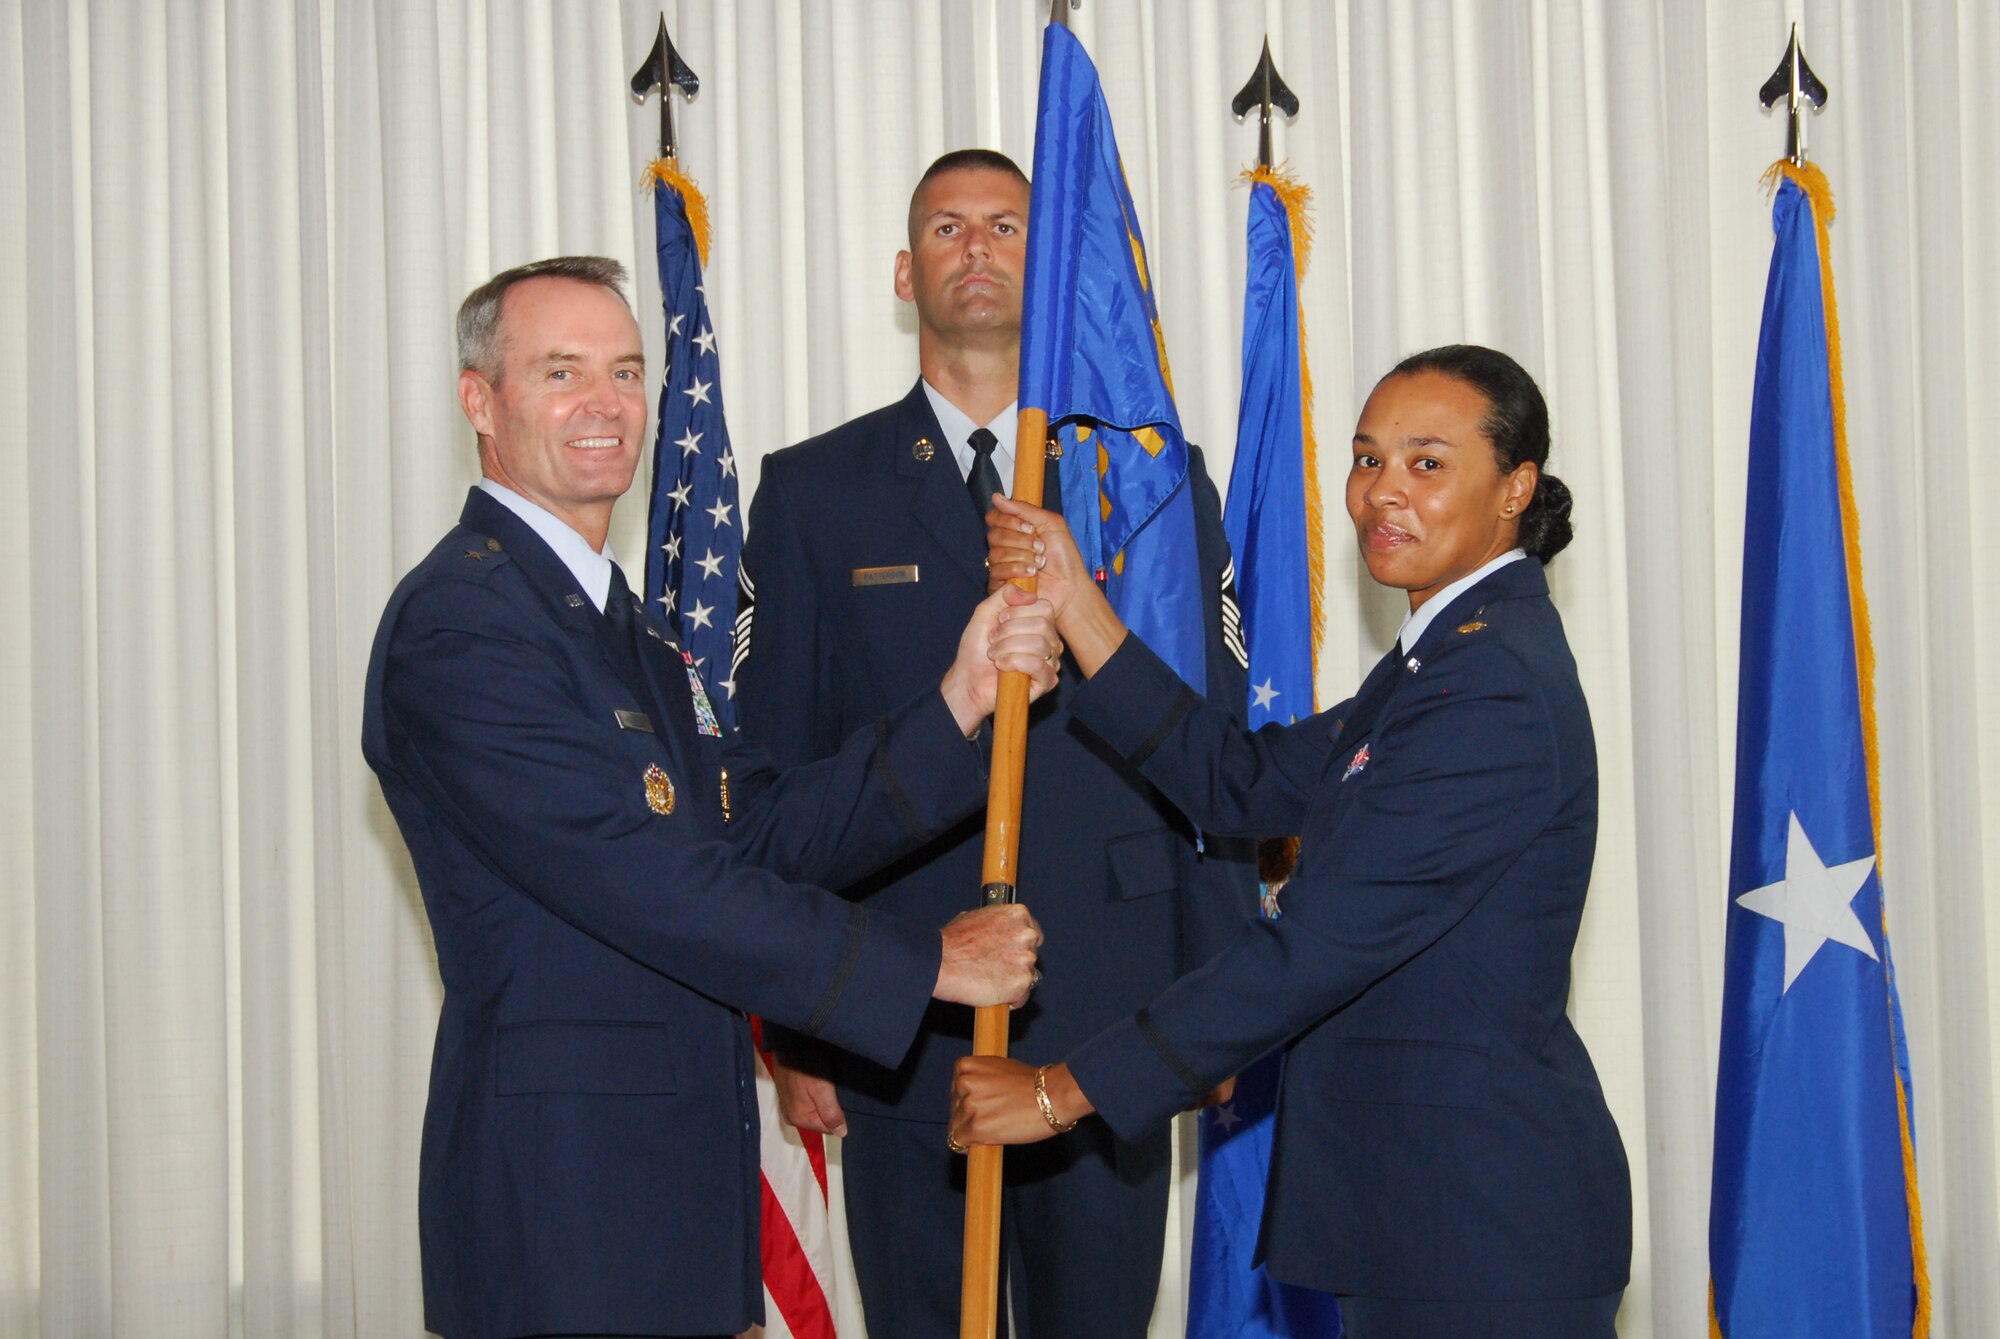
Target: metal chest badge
704 714
1356 763
659 790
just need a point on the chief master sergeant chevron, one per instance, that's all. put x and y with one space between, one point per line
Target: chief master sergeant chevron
611 879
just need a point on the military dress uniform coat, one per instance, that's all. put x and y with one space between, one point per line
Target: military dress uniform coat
1440 1130
865 555
608 886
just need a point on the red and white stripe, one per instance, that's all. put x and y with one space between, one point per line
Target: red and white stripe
797 1229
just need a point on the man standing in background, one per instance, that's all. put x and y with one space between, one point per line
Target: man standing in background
864 556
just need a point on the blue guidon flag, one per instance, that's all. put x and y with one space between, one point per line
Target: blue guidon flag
694 529
1814 1227
1094 359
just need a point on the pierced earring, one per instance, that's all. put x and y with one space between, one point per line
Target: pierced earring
1509 509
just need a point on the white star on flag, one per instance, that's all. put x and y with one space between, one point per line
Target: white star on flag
728 686
689 442
705 341
1265 694
711 566
667 599
681 494
1813 901
728 463
1226 1117
700 615
672 546
674 324
720 511
698 393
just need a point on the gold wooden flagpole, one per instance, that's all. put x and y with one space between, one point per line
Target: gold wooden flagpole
979 1291
979 1295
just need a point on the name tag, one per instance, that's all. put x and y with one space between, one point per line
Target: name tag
902 575
634 720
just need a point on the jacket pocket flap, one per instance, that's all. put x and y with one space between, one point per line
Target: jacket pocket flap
1144 863
583 1057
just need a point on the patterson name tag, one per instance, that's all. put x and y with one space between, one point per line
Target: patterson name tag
902 575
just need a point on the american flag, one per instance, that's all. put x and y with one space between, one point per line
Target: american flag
694 537
694 534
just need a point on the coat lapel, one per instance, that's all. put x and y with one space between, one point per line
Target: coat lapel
572 611
1366 705
938 498
1520 579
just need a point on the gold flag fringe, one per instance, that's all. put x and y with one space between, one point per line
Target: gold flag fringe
665 172
1296 197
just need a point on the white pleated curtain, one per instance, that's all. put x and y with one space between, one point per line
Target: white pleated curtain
235 236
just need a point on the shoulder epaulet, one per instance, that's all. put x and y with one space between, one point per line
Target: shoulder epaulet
470 554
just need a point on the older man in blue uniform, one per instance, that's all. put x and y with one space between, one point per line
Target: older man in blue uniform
865 553
612 880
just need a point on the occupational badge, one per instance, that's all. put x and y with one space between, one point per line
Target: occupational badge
1356 763
922 449
1474 626
659 790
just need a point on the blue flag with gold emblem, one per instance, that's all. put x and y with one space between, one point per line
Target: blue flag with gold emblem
1273 522
1094 359
694 530
1814 1226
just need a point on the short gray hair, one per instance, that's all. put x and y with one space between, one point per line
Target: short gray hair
479 315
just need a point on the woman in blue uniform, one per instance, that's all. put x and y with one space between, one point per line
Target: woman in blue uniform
1443 1158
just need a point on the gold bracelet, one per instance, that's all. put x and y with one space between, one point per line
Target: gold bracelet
1042 1101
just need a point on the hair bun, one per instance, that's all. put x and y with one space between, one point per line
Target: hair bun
1545 527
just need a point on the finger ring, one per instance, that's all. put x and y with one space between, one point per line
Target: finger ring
951 1142
1048 657
986 563
1034 977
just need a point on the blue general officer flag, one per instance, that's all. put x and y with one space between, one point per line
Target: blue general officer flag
1273 526
1094 359
1813 1225
694 530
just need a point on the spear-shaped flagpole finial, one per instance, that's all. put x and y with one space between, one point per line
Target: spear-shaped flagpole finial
664 69
1265 91
1795 82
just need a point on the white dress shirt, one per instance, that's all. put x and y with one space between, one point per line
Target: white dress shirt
958 426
